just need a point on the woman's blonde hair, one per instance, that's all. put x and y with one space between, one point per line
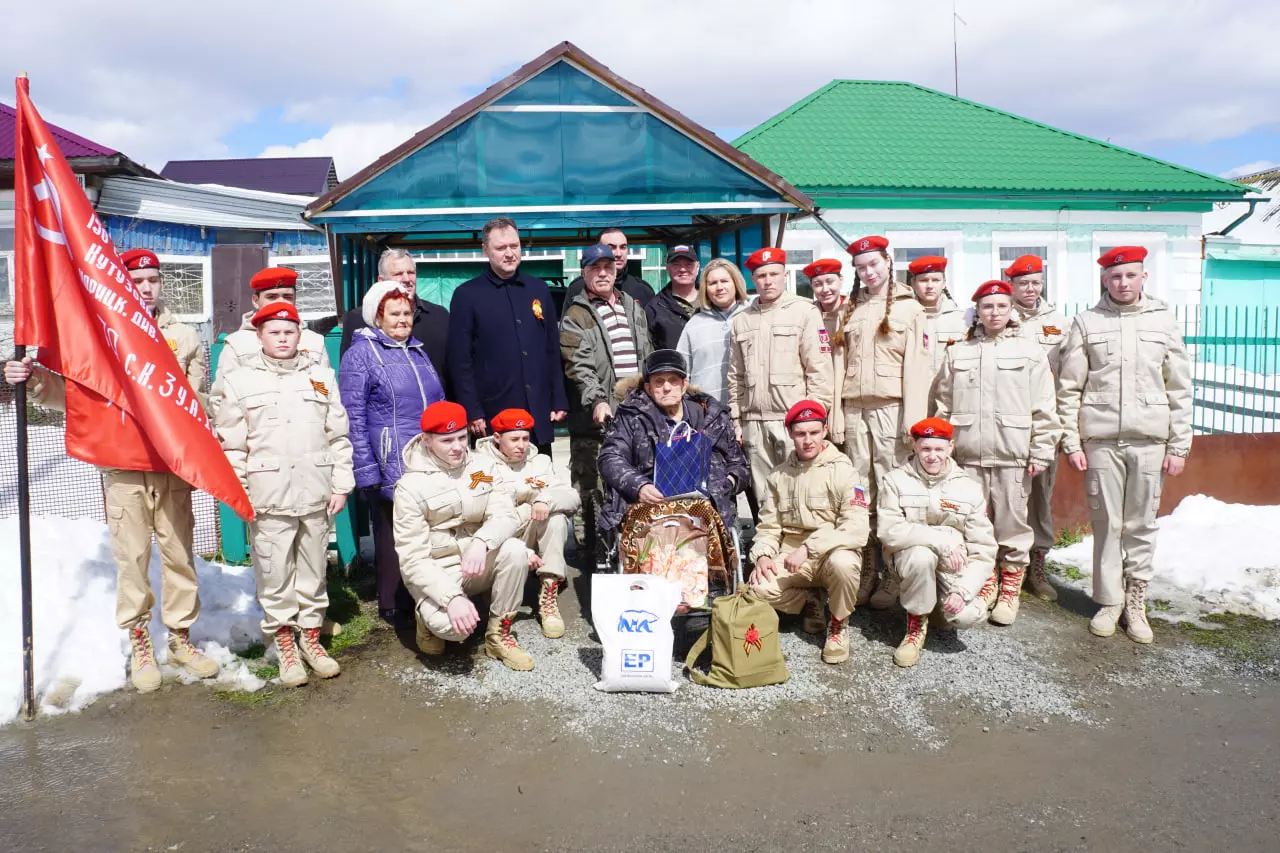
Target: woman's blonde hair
739 283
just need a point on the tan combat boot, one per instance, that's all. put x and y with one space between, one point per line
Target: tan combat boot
1038 578
316 656
428 643
187 656
500 644
549 609
836 649
143 670
814 619
867 578
1006 609
292 672
990 592
1135 613
886 594
1103 623
912 645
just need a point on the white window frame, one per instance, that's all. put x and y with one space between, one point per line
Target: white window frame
288 260
951 243
206 285
6 258
1055 243
1157 245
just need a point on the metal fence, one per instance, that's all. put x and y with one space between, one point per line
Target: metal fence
1235 366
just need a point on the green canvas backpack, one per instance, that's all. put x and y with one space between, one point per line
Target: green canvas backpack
744 645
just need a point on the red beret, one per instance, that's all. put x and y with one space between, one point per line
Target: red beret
276 311
1025 265
929 263
932 428
273 277
444 417
822 266
1122 255
991 288
867 244
805 410
140 259
509 419
768 255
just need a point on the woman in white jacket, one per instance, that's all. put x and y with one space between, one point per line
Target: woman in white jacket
704 343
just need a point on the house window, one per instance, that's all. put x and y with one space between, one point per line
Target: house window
902 259
798 282
315 297
184 287
6 284
1009 254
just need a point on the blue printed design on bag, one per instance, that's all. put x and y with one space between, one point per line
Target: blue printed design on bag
637 661
636 622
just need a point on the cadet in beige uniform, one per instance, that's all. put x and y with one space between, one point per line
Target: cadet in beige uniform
934 530
454 534
1040 322
888 373
814 521
544 502
779 354
944 320
273 284
996 389
284 430
828 294
1124 395
142 503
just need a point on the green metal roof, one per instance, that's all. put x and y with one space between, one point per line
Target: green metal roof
854 136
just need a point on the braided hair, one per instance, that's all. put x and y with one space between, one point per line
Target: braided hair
847 312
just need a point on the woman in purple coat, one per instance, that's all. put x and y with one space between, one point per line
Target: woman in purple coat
386 381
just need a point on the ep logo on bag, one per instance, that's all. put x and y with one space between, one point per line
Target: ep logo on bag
636 621
633 661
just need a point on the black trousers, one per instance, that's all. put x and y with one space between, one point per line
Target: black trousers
392 594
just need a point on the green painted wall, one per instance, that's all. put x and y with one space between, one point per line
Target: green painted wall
1252 283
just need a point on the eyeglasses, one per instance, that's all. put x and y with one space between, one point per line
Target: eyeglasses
665 379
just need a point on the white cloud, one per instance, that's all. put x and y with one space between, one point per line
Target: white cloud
1250 169
352 145
175 81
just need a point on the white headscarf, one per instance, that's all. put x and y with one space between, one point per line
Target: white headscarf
369 305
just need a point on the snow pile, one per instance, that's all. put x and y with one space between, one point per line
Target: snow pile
1210 556
80 653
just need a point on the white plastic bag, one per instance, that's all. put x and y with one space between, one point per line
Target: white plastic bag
632 616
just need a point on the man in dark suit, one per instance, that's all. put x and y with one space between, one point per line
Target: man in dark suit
504 343
634 286
430 321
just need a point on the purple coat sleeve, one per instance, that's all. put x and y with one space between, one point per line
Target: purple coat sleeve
353 387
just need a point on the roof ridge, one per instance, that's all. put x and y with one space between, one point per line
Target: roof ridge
770 122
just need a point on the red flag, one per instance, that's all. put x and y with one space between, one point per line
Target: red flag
129 405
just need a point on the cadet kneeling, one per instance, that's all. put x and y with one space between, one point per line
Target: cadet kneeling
454 532
544 503
932 522
284 431
816 517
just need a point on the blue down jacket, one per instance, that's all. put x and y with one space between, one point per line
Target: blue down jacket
384 386
628 451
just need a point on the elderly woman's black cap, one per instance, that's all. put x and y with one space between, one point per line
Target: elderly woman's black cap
666 361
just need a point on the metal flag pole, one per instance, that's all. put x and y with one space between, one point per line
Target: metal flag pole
24 526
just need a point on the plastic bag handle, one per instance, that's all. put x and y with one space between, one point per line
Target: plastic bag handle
688 433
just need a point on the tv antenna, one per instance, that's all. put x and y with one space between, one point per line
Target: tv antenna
955 46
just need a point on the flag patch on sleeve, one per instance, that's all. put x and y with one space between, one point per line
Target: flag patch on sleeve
926 340
824 340
859 497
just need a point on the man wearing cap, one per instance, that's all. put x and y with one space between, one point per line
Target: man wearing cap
996 389
1041 322
604 338
141 504
284 430
828 294
668 312
814 522
503 344
544 503
1124 396
944 319
932 522
273 284
779 354
632 285
454 533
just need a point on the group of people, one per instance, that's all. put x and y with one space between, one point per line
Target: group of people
892 446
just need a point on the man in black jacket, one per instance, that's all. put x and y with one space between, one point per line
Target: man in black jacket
430 321
674 304
634 286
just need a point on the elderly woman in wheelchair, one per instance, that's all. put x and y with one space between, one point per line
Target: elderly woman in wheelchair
672 471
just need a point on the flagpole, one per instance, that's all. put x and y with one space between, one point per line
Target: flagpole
24 527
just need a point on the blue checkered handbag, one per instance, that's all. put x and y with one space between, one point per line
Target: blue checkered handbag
682 463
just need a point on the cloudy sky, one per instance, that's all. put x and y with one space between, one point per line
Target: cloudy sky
1192 81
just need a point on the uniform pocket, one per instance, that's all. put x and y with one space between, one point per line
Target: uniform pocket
1101 345
784 361
1093 489
260 408
915 508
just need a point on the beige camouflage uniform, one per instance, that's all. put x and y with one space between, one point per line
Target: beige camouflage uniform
1048 328
534 480
242 345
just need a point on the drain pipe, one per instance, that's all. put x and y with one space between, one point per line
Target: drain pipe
1253 203
841 242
